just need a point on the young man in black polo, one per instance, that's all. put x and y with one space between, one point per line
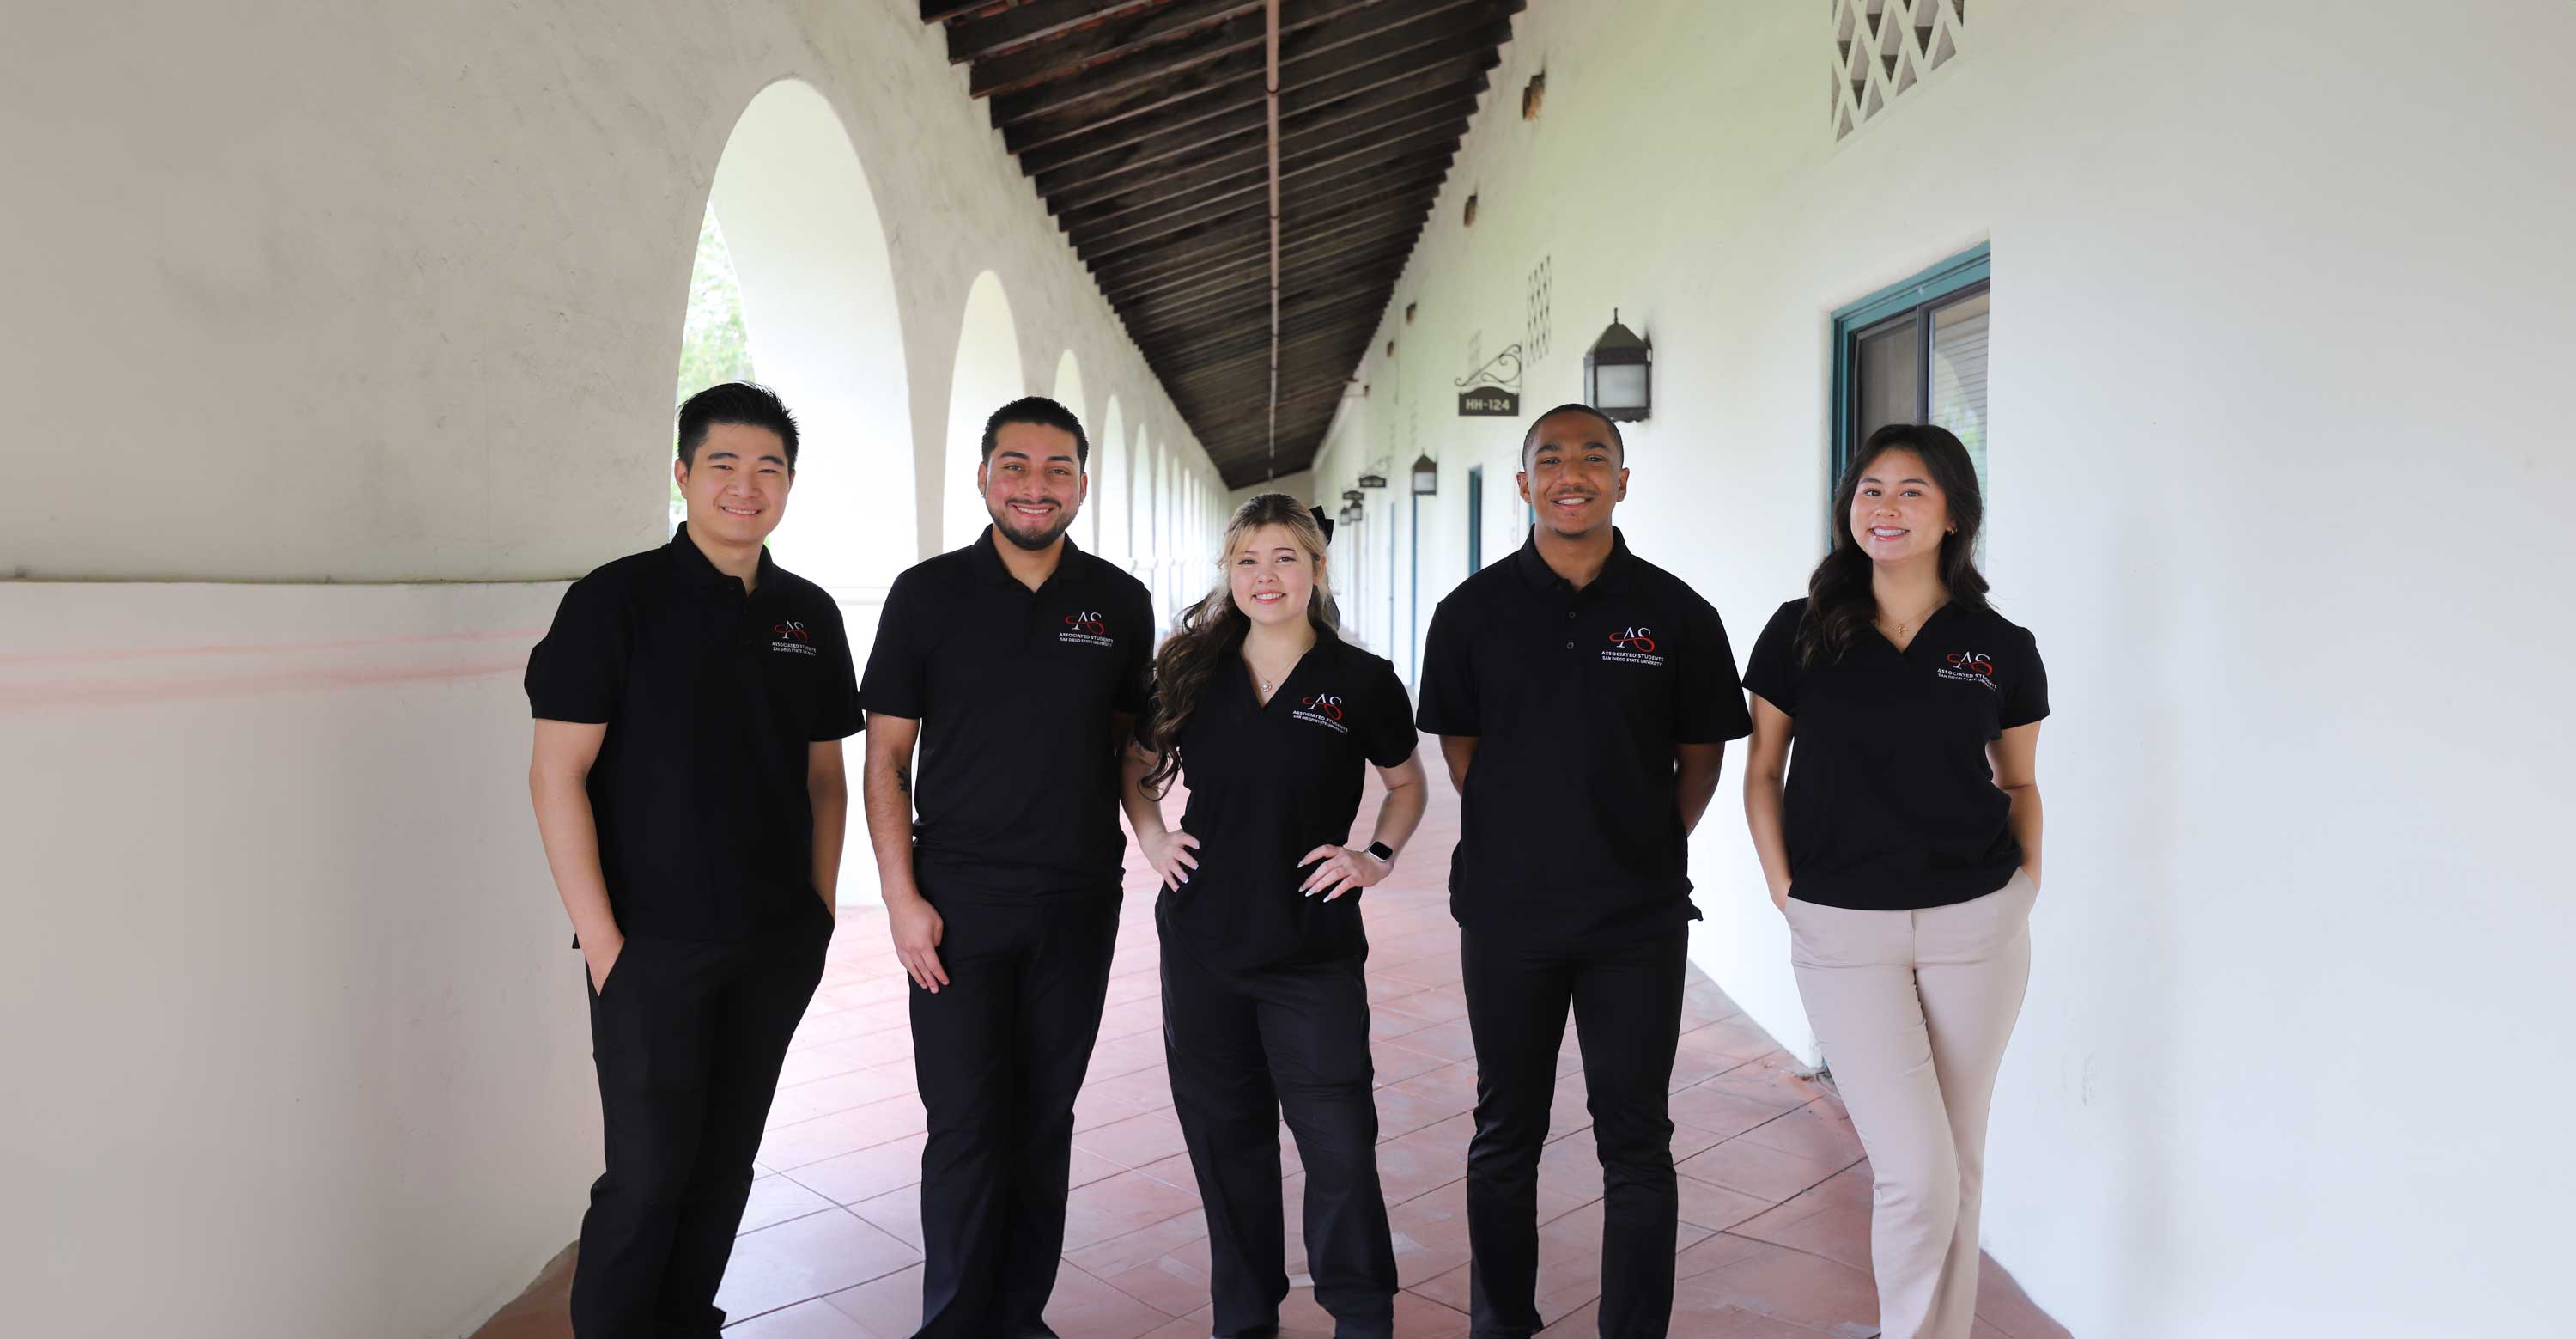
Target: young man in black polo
1018 663
1583 698
690 702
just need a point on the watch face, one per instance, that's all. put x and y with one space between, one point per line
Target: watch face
1381 850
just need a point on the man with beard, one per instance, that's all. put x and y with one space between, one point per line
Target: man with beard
1018 663
1583 698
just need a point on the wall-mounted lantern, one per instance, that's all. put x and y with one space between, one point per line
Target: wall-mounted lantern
1426 477
1353 496
1619 374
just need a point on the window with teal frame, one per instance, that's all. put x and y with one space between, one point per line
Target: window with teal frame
1915 352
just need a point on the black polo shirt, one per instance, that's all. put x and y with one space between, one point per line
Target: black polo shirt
1891 803
1017 789
710 696
1267 784
1571 830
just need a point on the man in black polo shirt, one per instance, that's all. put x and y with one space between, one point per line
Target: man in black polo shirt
1584 698
1018 663
690 702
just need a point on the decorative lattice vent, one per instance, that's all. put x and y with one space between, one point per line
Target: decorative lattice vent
1883 48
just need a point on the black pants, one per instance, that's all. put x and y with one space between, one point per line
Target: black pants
1627 1002
1000 1052
688 1038
1245 1047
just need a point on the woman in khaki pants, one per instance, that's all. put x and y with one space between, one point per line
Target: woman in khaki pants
1905 847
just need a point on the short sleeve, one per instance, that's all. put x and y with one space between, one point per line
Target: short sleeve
578 672
897 682
1772 671
1711 706
1449 705
1139 667
2026 693
837 714
1386 734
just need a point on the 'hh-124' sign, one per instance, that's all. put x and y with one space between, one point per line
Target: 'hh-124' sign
1489 402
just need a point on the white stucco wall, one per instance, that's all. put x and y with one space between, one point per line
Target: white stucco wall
318 296
2277 294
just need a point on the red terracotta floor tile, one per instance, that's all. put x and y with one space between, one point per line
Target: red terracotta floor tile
1715 1207
866 1174
1774 1193
1116 1205
1808 1133
816 1319
775 1199
896 1212
1085 1306
806 1258
1135 1141
886 1308
1785 1285
2002 1305
1397 1062
1756 1170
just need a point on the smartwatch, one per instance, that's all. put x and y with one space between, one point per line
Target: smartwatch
1382 851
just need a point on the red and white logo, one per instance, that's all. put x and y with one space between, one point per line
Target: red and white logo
1324 709
1635 646
791 637
1085 627
1969 667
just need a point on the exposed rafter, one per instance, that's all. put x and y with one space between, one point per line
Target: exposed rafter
1246 179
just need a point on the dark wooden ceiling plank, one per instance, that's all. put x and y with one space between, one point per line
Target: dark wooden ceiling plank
1188 149
1316 323
1343 239
940 11
1219 161
1299 215
1158 79
1096 45
1325 168
1359 239
1426 56
1180 193
1035 21
1191 315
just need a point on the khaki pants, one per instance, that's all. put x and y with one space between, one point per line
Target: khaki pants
1913 1009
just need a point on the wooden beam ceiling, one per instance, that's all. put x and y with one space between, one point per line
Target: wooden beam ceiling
1142 125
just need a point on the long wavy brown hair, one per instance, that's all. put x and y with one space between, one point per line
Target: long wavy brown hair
1211 629
1840 605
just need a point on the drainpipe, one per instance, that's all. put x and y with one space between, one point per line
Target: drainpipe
1270 42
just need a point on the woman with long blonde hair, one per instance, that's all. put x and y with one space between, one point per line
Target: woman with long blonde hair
1270 720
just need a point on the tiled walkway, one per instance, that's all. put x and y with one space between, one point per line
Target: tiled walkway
1774 1242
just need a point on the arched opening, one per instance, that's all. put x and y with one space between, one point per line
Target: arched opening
1068 392
794 285
1109 485
987 376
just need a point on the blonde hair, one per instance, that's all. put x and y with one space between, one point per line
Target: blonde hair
1191 657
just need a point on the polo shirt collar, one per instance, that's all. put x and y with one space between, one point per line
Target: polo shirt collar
691 563
1541 577
987 560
